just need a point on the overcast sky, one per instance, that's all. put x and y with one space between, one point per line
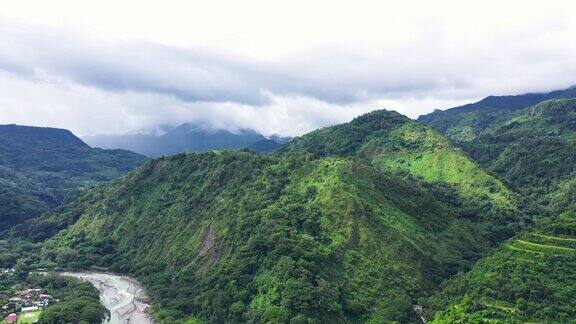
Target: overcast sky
286 67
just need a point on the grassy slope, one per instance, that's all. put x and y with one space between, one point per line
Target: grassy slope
392 142
433 159
29 318
532 149
326 229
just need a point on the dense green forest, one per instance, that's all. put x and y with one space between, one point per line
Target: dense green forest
531 277
471 218
349 223
41 167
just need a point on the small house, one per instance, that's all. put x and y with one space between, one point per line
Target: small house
12 318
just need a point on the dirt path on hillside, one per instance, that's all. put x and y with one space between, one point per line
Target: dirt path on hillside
123 296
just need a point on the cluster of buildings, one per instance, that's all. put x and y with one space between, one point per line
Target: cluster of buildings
26 302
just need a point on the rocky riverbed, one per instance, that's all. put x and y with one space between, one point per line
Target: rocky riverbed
123 296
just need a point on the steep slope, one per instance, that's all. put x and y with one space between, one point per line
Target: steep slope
327 229
464 122
533 149
184 138
40 166
531 278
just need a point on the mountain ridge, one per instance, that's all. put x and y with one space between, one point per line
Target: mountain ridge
382 219
302 234
465 121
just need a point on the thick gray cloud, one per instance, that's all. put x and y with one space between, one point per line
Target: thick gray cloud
97 85
336 75
125 66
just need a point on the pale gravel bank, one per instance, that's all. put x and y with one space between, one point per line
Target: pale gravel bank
123 296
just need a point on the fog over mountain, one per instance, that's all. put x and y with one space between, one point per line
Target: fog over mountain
188 138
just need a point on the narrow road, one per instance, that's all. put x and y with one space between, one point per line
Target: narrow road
123 296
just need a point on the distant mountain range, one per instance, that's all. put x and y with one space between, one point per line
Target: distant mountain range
480 114
189 138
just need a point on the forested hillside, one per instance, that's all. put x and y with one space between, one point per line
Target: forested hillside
531 277
39 167
349 223
250 162
358 222
390 141
533 149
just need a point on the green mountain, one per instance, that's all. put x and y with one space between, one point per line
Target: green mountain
466 122
533 149
395 143
39 167
531 277
348 223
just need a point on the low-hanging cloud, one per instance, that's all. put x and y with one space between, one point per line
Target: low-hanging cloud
97 85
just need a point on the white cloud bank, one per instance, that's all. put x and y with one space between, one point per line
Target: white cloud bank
120 67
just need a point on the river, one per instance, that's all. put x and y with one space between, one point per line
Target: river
123 296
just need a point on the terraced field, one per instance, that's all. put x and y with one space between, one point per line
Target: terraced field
531 279
536 243
529 250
